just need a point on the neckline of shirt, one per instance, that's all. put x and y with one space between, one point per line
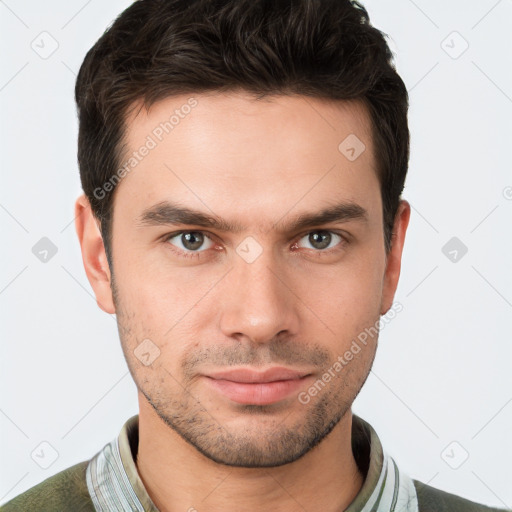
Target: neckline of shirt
113 479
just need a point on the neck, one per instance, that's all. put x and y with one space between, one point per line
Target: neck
178 477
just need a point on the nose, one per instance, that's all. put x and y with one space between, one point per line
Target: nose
258 302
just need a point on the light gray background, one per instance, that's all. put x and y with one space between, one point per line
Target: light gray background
443 369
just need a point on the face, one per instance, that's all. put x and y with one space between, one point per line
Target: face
248 255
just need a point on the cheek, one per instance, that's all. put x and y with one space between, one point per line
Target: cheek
347 298
156 290
171 310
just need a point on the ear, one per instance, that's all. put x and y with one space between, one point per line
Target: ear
93 254
394 257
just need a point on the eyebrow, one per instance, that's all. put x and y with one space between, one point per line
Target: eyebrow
165 213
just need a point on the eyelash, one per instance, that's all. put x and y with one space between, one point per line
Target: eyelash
197 254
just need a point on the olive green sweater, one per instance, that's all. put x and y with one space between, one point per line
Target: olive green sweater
110 481
67 491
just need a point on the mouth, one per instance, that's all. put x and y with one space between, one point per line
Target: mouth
247 386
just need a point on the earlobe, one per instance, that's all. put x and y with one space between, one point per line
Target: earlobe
93 254
394 258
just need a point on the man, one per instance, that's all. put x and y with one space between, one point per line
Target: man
242 164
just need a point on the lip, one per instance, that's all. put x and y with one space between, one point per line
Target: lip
248 375
247 386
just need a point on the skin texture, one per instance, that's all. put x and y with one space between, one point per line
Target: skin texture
261 164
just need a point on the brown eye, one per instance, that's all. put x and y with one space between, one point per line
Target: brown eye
321 240
190 241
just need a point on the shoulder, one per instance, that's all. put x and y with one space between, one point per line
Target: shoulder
431 499
63 491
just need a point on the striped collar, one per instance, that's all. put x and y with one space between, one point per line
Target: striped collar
114 483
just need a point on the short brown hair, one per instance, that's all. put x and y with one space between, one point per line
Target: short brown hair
161 48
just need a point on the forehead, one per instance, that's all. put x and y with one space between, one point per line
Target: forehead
230 151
